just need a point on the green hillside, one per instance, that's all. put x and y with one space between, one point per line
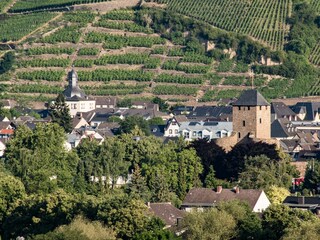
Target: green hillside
179 55
263 20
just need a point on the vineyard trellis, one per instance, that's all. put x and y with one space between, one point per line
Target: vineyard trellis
263 20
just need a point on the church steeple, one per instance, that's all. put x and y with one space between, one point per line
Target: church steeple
73 89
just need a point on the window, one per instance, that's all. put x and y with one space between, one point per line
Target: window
239 135
194 133
200 134
260 107
248 108
176 131
186 135
170 131
243 123
260 120
239 108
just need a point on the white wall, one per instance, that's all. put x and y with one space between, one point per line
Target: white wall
262 204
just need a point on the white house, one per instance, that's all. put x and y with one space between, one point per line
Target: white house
200 198
205 130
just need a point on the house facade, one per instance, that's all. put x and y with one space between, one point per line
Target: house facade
201 198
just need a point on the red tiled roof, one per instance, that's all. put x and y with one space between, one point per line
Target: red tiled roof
7 131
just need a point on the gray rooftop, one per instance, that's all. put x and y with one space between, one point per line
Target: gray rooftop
73 89
251 98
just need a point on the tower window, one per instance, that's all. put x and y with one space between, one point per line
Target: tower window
243 123
248 108
260 120
239 108
239 135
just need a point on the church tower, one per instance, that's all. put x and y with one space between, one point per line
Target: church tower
252 116
73 88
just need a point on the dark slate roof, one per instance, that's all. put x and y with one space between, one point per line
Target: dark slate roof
157 130
279 129
209 197
106 101
310 108
210 111
307 200
251 98
281 110
73 89
166 212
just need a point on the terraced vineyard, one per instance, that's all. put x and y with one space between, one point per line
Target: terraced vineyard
114 55
315 55
31 5
14 27
263 20
316 5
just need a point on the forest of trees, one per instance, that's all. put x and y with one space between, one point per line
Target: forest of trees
48 192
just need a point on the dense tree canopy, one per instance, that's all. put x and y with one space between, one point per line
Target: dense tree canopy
60 114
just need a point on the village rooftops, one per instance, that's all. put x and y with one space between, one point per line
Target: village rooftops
251 98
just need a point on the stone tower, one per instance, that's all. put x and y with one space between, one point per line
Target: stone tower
251 116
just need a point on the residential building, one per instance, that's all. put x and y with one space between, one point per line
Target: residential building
205 130
201 198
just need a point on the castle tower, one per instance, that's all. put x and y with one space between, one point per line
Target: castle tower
251 116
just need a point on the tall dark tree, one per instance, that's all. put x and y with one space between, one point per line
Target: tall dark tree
60 114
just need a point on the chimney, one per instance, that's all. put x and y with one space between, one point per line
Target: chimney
237 190
179 221
219 189
301 200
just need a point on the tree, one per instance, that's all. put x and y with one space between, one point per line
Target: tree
279 217
7 62
163 106
211 224
276 194
40 159
211 155
138 187
308 230
263 172
156 121
188 172
248 223
60 114
127 125
112 155
39 214
79 229
312 177
11 190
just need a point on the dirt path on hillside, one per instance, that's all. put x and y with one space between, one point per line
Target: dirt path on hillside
6 9
104 7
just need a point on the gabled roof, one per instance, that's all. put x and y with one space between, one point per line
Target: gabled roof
281 110
166 212
209 197
251 98
280 130
309 108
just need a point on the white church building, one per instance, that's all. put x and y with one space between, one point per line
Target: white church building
76 99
